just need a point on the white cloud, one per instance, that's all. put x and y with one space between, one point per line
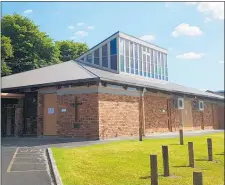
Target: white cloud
215 9
221 62
186 29
28 11
80 24
81 33
73 37
147 38
207 19
90 27
71 27
190 56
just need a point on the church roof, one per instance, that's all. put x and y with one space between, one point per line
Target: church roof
72 71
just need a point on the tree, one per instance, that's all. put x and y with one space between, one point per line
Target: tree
32 48
6 53
70 50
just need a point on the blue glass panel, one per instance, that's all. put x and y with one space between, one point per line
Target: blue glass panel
114 62
113 47
166 78
136 71
152 75
122 63
127 64
105 61
89 58
144 73
96 61
132 70
149 75
160 77
141 73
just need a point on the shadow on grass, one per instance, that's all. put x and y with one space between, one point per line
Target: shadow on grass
201 159
181 166
148 177
220 154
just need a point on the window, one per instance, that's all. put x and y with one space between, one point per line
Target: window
152 64
201 105
96 57
82 59
180 103
122 63
113 54
89 58
140 60
136 58
121 55
148 65
127 56
131 57
113 60
163 71
113 47
144 64
105 55
156 64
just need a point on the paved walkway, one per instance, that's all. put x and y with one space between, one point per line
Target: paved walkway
24 160
25 166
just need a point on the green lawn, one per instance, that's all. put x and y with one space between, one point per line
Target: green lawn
127 162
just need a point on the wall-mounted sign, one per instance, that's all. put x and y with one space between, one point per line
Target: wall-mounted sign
63 110
51 111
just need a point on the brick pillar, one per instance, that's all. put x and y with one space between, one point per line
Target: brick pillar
40 111
19 118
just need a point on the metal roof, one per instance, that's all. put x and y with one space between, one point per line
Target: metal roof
150 83
66 71
76 71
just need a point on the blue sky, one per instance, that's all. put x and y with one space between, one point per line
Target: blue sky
193 33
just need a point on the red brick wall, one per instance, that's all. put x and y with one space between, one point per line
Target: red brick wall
108 115
175 118
208 116
218 111
118 115
87 116
156 120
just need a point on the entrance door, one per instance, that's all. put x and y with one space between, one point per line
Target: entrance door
50 114
187 115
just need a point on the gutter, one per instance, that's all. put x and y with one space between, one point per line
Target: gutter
142 122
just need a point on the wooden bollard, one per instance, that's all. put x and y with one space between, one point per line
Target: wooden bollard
140 134
181 137
154 169
165 156
210 154
197 178
191 154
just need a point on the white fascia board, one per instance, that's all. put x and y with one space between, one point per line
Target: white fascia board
98 46
139 41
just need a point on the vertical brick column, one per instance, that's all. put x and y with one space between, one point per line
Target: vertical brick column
19 118
40 111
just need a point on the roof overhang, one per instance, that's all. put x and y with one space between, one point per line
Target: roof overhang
12 95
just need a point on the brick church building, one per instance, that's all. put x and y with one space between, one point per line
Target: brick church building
117 87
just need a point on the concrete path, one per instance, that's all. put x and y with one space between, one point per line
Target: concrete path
24 160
